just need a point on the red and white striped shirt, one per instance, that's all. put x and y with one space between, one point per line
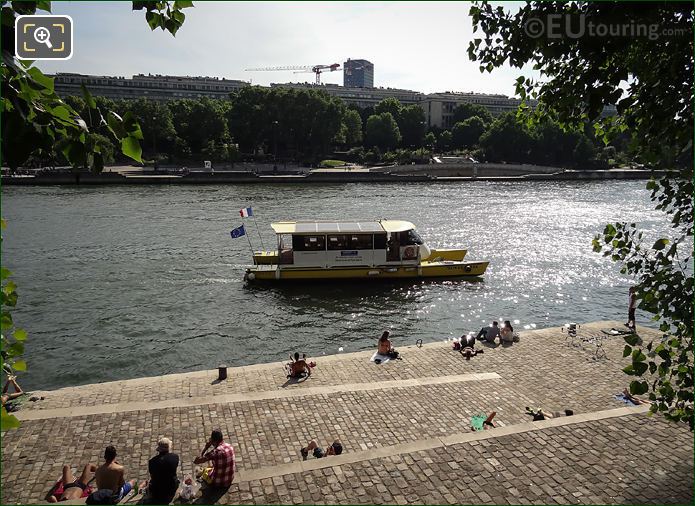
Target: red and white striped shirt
223 464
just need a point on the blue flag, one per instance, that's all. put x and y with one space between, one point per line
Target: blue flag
238 232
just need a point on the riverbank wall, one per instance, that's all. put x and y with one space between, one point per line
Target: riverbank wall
396 174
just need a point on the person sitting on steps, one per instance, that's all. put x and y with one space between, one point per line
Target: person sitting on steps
299 367
385 347
507 333
334 449
110 475
489 333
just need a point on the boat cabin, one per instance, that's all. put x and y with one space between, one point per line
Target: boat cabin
348 244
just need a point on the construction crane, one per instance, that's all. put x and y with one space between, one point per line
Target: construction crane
298 69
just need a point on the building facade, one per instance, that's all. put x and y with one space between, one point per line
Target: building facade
438 107
361 97
155 87
358 74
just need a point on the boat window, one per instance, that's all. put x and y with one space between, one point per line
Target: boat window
309 242
338 242
411 237
361 241
379 241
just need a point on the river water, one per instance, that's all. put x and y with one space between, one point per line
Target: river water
122 282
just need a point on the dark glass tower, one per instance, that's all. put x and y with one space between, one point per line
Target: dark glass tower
358 74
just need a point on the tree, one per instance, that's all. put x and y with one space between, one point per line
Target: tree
36 120
156 121
391 105
353 127
466 134
430 140
382 131
412 125
508 139
650 79
552 145
248 119
583 153
444 141
464 111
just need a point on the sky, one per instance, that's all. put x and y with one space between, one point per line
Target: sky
419 46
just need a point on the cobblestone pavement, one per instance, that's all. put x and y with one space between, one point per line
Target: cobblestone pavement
604 461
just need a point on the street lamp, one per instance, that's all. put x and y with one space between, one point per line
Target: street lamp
275 146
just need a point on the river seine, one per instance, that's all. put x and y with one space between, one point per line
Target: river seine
123 282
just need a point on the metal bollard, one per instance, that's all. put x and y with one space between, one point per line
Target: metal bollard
222 373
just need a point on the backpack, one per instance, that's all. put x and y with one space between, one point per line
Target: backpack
103 496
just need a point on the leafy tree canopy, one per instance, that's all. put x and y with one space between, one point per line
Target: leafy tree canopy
382 131
462 112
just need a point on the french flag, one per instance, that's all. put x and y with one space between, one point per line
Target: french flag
246 212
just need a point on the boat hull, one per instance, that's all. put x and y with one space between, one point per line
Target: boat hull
457 255
443 269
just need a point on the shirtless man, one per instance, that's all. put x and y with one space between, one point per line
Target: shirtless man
299 367
111 475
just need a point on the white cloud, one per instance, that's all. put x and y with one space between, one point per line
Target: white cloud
415 45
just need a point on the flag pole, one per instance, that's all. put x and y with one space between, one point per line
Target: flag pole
259 232
248 239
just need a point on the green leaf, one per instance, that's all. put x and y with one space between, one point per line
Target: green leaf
640 368
638 356
638 387
44 5
89 100
131 126
40 78
115 123
182 4
16 349
660 244
20 334
8 421
5 273
20 365
631 339
6 321
131 148
626 351
153 19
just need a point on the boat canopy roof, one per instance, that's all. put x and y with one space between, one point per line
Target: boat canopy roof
336 227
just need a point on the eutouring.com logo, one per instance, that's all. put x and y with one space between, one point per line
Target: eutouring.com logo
577 26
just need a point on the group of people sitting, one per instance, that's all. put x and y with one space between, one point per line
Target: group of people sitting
335 448
505 334
112 487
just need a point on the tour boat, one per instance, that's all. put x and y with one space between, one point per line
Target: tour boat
383 249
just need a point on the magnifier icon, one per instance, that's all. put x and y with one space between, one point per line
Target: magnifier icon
43 36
